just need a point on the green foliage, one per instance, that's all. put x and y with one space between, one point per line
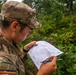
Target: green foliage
61 36
58 29
58 18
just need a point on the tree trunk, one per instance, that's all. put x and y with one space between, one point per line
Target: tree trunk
71 7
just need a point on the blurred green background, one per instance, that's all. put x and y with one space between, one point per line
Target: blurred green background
58 18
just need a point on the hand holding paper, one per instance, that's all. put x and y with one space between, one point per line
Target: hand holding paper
42 51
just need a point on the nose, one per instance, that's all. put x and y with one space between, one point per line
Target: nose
28 34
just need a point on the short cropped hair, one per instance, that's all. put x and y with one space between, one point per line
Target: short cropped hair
5 24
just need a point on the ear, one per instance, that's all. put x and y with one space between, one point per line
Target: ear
15 26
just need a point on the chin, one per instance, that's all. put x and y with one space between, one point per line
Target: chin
18 42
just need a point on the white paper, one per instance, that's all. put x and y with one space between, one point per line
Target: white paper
42 51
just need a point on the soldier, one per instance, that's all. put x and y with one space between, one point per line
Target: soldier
16 22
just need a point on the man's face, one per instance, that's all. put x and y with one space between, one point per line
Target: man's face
21 36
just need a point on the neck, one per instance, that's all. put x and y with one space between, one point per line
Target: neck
6 34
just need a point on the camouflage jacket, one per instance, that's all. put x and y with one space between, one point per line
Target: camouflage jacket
10 59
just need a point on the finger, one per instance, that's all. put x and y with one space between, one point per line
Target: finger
54 59
30 45
34 43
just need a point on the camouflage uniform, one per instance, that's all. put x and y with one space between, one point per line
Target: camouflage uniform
10 59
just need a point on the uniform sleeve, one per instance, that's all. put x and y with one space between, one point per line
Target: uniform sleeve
7 66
